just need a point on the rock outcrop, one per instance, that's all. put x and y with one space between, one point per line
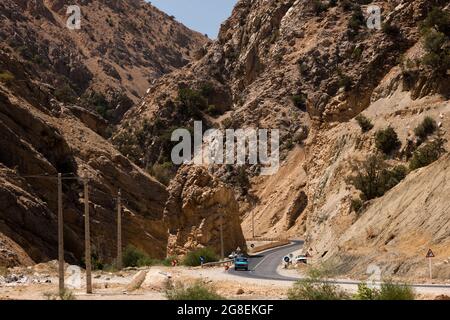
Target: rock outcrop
198 207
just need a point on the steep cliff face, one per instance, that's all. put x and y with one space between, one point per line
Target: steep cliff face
110 62
57 87
199 209
308 68
36 145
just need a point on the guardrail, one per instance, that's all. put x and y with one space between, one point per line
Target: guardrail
270 246
267 239
218 263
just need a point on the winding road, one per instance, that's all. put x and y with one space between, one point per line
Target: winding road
265 264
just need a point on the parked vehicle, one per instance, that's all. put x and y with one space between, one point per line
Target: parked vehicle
301 259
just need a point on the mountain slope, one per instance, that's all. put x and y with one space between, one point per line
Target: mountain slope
307 70
54 82
110 62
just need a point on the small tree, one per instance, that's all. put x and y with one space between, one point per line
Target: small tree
364 122
390 29
374 178
192 259
427 154
386 140
65 94
133 257
427 127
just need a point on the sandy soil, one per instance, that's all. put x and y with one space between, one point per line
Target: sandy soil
40 283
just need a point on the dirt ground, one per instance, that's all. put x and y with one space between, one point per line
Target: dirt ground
40 282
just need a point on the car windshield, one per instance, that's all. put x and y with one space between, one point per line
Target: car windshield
241 260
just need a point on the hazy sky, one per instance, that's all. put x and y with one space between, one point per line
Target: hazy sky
204 16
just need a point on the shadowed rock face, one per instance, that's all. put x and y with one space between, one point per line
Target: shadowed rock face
46 69
195 208
34 143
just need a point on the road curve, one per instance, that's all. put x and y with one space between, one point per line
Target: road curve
264 265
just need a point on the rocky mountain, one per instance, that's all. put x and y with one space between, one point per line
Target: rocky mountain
363 115
54 85
107 64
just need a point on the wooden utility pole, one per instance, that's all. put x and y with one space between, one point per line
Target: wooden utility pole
119 231
253 224
222 254
87 238
60 237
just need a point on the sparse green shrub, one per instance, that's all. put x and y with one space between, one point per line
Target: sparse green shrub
213 110
388 291
427 127
364 122
386 140
396 291
196 291
345 81
97 101
357 52
133 257
192 259
346 5
96 263
356 205
191 102
6 77
207 90
390 29
127 144
65 94
66 294
163 172
332 3
427 154
436 31
374 178
437 19
391 178
438 51
319 7
299 101
315 289
357 20
366 293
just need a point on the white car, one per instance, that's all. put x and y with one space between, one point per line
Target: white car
301 259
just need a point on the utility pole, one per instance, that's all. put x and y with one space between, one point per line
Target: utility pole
119 231
430 265
60 237
253 224
87 237
222 254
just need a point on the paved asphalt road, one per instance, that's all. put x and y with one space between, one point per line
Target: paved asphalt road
264 265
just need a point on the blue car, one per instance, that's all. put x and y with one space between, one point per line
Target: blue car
241 263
